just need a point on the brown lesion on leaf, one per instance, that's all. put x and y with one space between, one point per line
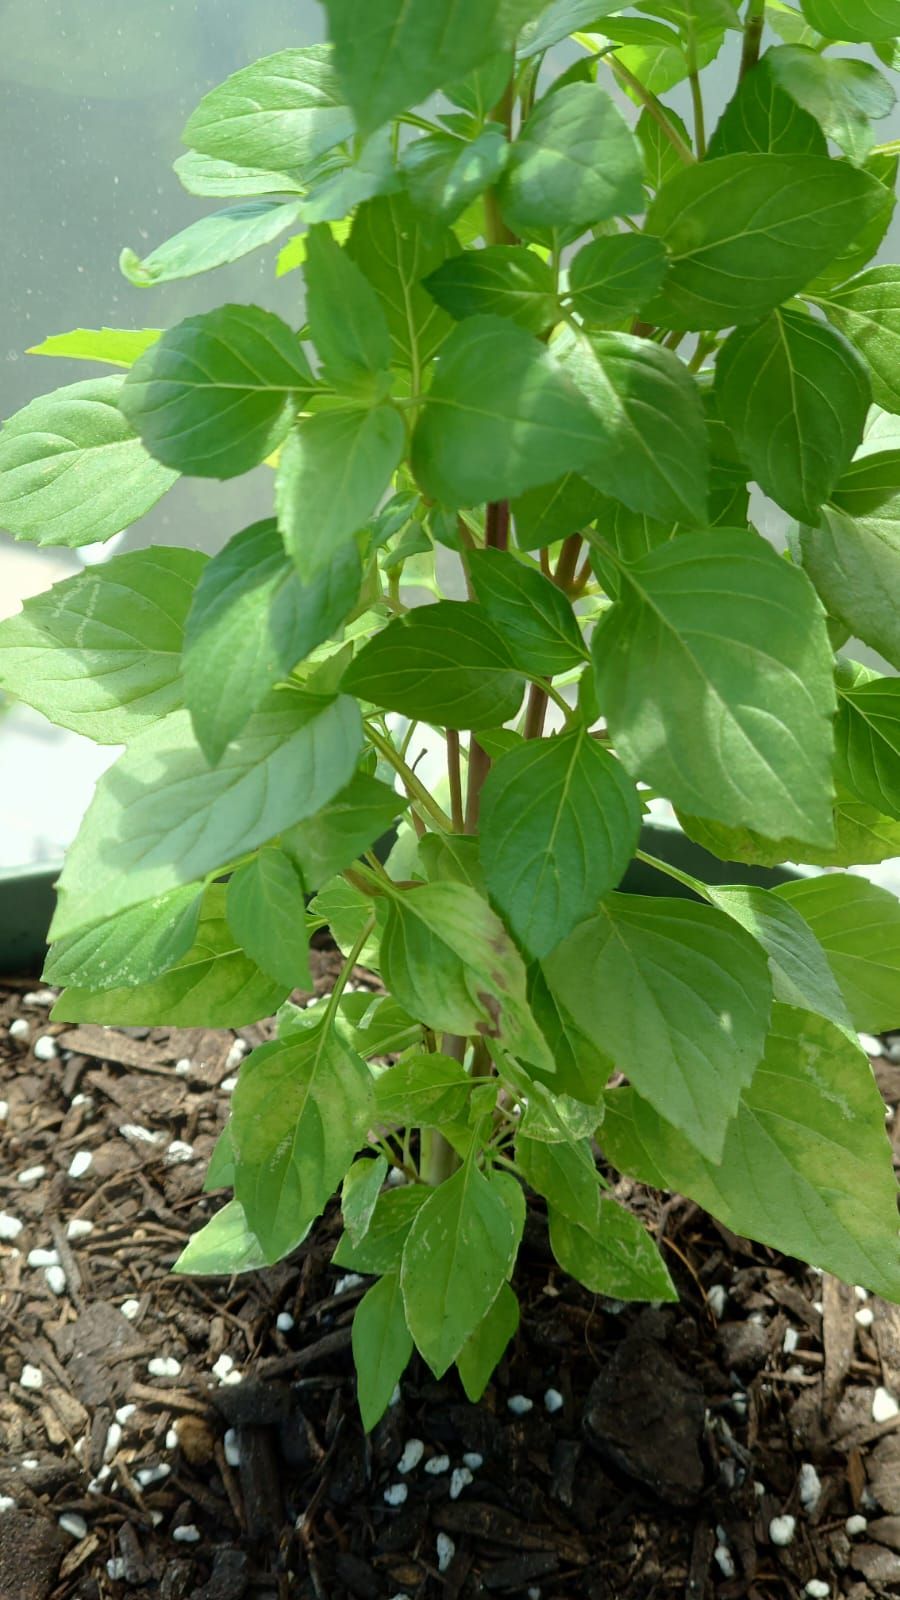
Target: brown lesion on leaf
491 1005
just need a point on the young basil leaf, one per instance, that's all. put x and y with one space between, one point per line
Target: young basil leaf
627 973
661 158
252 620
214 241
212 396
213 985
843 95
564 1173
654 453
445 174
806 1166
457 1257
798 965
558 20
855 21
575 161
382 1346
397 248
131 948
397 52
225 1245
668 654
299 1113
427 1089
334 468
445 663
72 469
611 278
867 311
501 417
501 280
867 738
346 321
747 231
229 180
869 483
381 1247
118 347
858 926
346 184
658 55
100 653
347 825
347 911
580 1067
559 824
267 915
796 396
161 816
553 510
762 117
611 1253
485 1345
532 614
855 565
277 114
359 1194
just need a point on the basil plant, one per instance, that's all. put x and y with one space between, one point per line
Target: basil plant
553 332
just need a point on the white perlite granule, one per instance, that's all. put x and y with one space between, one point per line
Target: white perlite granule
884 1406
446 1550
809 1487
782 1530
70 1522
396 1494
164 1367
32 1377
413 1452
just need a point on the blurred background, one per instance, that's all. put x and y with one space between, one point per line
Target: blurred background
93 96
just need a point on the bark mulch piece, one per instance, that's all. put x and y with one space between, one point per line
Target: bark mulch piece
622 1452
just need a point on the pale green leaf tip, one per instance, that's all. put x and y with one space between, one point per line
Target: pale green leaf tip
132 267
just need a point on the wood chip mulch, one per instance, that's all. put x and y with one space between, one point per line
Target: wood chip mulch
714 1449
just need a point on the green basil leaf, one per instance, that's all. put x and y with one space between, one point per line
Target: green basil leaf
628 972
862 244
347 184
299 1113
806 1167
133 947
118 347
565 1174
252 621
661 159
861 836
458 1255
611 278
397 52
220 1167
448 959
798 965
856 21
532 614
346 321
229 180
212 397
501 280
100 653
267 914
580 1067
747 231
657 55
867 738
654 454
213 985
443 663
279 113
686 709
558 20
422 1089
613 1254
559 825
796 396
543 515
381 1247
214 241
485 1346
858 926
575 161
501 417
347 825
396 249
382 1346
225 1245
334 468
867 311
869 483
762 117
444 174
72 469
347 912
161 816
843 95
359 1194
855 565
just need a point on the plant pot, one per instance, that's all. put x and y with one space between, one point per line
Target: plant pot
26 906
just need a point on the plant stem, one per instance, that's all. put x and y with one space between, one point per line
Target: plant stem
496 525
414 787
437 1159
696 97
754 21
673 872
479 767
654 109
346 972
535 711
455 776
568 562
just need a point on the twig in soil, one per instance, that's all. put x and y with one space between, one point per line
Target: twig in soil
330 1344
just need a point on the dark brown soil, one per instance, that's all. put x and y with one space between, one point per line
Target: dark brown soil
681 1433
